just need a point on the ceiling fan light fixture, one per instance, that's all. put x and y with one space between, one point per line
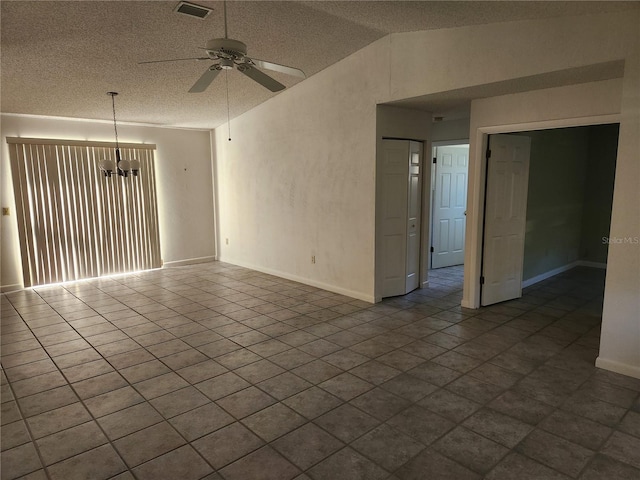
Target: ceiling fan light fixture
226 63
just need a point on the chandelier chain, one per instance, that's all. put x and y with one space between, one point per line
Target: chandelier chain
113 105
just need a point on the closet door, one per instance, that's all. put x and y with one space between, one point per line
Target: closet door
401 213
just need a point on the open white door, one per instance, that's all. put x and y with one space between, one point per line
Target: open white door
505 217
401 202
449 205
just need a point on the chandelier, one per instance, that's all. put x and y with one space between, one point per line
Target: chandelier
122 167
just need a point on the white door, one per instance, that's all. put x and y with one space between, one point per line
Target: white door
401 201
449 205
505 217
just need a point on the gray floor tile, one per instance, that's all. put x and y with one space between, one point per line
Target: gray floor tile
345 359
421 424
291 358
97 464
183 463
594 409
518 466
14 434
201 421
148 443
228 444
48 400
576 429
201 371
284 385
346 386
449 405
312 402
178 402
144 371
500 428
70 442
380 403
263 464
562 455
347 464
59 419
471 450
94 386
631 424
408 387
40 383
160 385
388 447
623 448
259 371
222 385
129 420
604 467
521 407
245 402
113 401
375 372
436 466
318 445
317 371
19 461
347 423
273 422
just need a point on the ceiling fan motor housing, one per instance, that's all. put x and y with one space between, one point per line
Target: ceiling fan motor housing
226 48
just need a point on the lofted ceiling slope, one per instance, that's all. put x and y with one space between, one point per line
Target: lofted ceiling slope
59 58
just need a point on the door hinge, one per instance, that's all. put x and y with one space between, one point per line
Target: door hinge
488 153
434 160
481 280
432 250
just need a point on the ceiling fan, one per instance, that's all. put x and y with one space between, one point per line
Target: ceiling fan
229 54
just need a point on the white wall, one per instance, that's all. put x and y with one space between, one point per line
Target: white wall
183 182
298 179
450 130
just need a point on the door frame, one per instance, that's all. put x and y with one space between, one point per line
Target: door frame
476 193
434 145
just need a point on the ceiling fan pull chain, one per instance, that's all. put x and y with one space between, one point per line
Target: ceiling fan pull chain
226 81
224 7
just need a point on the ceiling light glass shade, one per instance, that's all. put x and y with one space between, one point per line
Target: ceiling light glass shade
135 166
124 165
107 166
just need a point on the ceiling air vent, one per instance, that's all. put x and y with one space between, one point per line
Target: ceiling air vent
192 10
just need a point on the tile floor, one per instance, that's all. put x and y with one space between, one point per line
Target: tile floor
218 372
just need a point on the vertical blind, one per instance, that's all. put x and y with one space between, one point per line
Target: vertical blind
73 222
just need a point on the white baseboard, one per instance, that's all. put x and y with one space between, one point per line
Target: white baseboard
10 288
585 263
306 281
189 261
549 274
618 367
564 268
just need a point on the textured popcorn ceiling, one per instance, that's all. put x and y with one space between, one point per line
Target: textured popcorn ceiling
60 58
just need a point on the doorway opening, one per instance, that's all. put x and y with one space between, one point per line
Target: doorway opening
449 180
548 205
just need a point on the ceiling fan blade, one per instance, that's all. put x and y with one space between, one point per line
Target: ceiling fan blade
205 80
276 67
261 77
175 60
